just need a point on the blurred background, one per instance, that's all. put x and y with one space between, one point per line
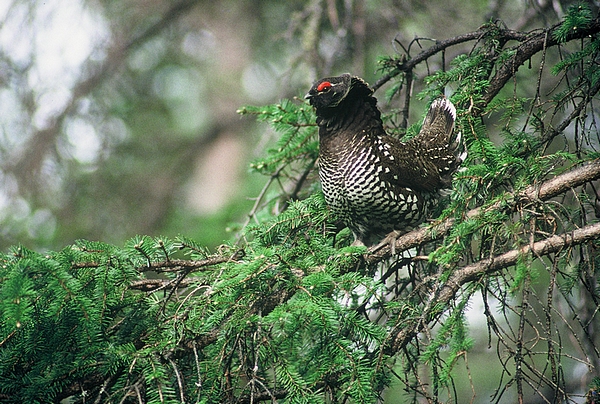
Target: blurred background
119 118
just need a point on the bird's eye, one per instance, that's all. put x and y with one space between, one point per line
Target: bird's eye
324 86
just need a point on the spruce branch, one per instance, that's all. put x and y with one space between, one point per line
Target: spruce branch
447 290
530 43
154 285
403 64
548 189
186 265
246 330
551 133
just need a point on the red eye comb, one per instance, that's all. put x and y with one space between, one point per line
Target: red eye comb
323 86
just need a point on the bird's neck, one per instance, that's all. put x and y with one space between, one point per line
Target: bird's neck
351 118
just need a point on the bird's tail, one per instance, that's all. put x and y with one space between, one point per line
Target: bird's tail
444 145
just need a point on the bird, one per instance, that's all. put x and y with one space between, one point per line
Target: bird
377 184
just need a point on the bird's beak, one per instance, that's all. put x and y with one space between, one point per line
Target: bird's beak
308 96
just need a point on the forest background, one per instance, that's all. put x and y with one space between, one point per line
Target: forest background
120 118
166 129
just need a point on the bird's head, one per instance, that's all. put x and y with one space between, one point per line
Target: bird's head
330 91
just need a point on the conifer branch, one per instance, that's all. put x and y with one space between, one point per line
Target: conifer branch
292 319
152 285
184 265
530 44
534 44
548 189
406 65
447 290
551 133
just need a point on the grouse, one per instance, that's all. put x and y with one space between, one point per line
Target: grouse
373 182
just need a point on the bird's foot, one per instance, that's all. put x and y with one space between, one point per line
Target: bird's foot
389 240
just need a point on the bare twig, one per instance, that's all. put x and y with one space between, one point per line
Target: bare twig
523 52
404 65
530 44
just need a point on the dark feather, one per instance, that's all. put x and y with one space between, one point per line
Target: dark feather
375 182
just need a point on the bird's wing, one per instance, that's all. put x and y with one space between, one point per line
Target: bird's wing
405 165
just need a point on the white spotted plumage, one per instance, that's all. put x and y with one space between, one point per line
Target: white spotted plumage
374 183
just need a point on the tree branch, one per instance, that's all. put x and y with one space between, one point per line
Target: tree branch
530 44
403 65
548 189
551 133
153 285
447 290
523 52
458 278
185 265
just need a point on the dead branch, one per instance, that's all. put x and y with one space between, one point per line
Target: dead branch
523 52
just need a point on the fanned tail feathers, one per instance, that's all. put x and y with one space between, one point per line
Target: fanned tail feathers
444 145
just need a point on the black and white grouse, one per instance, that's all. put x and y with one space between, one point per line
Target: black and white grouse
375 183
